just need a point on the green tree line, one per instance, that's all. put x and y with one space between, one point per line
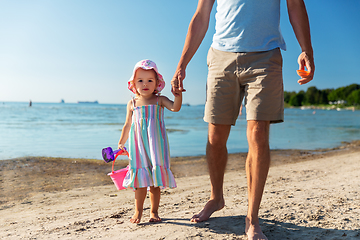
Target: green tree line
344 96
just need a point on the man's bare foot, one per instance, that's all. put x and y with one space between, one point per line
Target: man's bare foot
210 207
253 231
136 218
154 217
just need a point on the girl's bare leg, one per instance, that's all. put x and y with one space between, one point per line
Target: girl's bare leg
155 202
140 195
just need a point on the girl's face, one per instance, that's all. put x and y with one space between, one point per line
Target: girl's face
145 81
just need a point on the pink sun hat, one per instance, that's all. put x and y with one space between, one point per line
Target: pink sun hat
146 65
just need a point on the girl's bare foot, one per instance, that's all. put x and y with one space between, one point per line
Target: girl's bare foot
136 218
154 217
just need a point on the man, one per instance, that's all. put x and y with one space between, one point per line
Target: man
244 61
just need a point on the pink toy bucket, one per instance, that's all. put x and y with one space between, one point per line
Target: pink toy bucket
118 177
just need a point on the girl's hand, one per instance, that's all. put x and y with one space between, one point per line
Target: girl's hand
121 146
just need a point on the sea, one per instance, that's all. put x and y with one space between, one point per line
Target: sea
82 130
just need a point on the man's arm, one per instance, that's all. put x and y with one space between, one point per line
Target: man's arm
196 33
300 23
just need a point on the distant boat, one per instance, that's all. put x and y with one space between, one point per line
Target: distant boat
62 101
94 102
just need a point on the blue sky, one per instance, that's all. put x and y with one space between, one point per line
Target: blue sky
85 50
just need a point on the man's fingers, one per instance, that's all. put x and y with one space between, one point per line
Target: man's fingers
180 84
174 84
305 80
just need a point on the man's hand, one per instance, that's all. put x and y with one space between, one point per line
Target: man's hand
177 82
306 60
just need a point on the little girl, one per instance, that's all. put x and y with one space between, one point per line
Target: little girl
148 142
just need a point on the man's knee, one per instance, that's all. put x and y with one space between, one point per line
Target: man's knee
258 132
218 134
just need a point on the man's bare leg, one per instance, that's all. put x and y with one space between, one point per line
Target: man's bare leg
216 155
257 168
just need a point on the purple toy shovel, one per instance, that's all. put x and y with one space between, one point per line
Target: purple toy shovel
109 155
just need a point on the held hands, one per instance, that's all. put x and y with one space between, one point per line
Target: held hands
177 82
306 60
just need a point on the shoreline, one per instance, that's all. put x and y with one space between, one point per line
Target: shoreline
308 195
25 176
325 107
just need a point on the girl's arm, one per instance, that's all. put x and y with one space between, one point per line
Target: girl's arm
126 128
173 106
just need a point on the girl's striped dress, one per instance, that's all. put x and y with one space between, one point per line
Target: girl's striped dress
149 150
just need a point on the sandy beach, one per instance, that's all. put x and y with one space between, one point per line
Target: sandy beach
308 195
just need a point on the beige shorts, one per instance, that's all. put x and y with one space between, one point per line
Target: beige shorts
255 77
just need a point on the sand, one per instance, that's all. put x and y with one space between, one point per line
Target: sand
308 195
